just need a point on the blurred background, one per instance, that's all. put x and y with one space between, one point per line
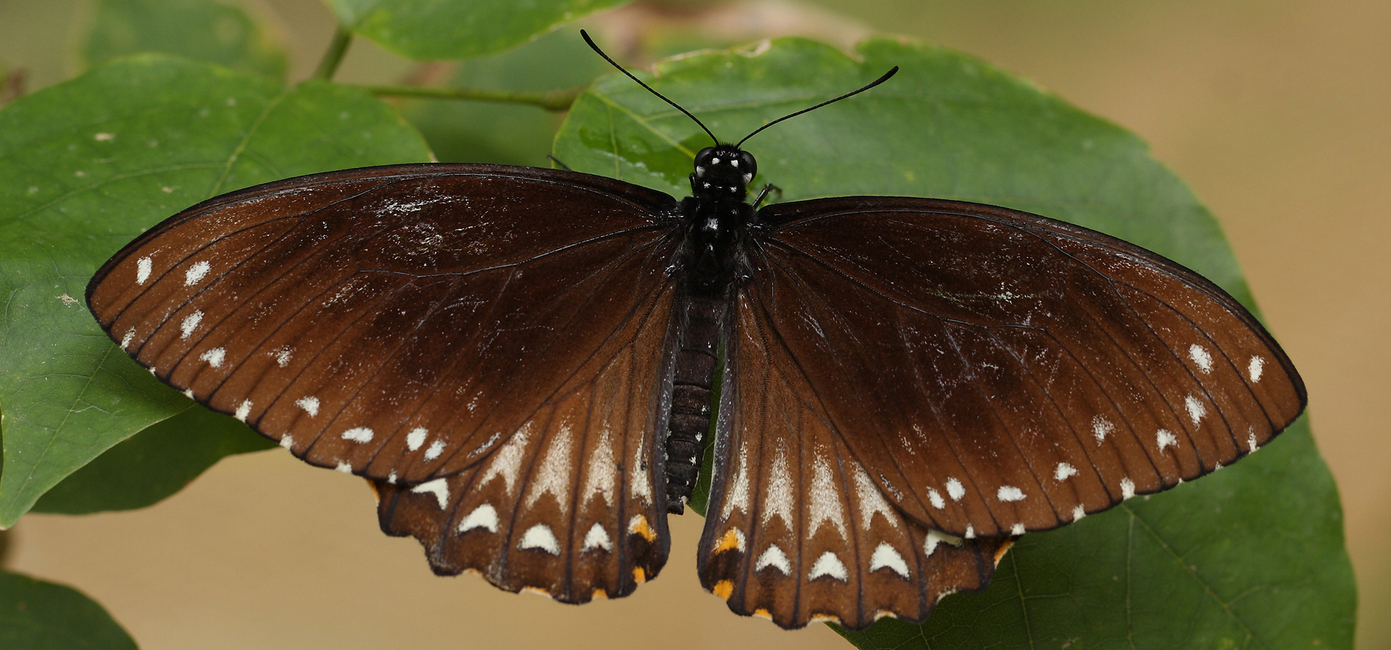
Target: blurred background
1276 112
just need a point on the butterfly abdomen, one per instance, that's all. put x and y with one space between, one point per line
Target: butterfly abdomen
690 399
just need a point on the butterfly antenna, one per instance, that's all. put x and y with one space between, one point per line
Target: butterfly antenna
594 47
852 93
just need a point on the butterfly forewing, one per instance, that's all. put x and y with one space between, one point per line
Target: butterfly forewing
997 372
397 321
569 503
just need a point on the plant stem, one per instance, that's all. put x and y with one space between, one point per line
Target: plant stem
551 100
334 56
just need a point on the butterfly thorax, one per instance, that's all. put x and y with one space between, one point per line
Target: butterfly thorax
717 214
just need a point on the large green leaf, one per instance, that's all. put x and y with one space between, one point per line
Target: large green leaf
87 165
1250 557
207 30
38 615
429 29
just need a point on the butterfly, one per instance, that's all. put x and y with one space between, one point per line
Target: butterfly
530 366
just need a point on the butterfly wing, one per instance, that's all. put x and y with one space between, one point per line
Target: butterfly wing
996 371
432 326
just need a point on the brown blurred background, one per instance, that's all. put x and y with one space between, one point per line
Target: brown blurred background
1278 113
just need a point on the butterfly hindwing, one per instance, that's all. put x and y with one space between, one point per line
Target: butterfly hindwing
796 528
997 372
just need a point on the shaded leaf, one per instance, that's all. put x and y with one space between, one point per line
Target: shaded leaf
1250 557
38 615
427 29
87 165
206 30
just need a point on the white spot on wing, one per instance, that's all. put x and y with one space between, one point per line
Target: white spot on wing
484 516
541 538
1078 512
243 410
1127 488
507 461
954 489
597 538
777 500
287 442
1200 358
1196 410
214 357
936 499
142 270
196 273
438 487
886 556
125 340
1010 493
773 557
553 476
935 537
1254 369
190 324
1165 439
434 450
824 499
1017 530
310 405
739 489
641 484
358 434
1101 427
416 438
829 565
282 356
601 472
344 467
1064 471
970 531
1251 445
871 500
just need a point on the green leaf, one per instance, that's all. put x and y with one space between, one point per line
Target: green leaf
87 165
207 30
38 615
1252 556
145 468
506 133
428 29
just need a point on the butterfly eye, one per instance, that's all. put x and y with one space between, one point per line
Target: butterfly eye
702 158
748 165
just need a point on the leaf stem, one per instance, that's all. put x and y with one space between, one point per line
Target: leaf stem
551 100
334 56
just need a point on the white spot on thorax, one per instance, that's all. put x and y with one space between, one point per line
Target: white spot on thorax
1101 427
243 410
434 450
829 565
190 323
886 556
1017 530
777 500
936 499
541 538
553 476
1064 471
1253 369
1200 357
824 499
773 557
358 434
142 270
214 357
1163 438
1196 410
438 487
196 273
871 500
1127 488
484 516
597 538
1009 493
309 404
954 489
416 438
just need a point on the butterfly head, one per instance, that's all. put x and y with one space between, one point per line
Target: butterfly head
722 173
